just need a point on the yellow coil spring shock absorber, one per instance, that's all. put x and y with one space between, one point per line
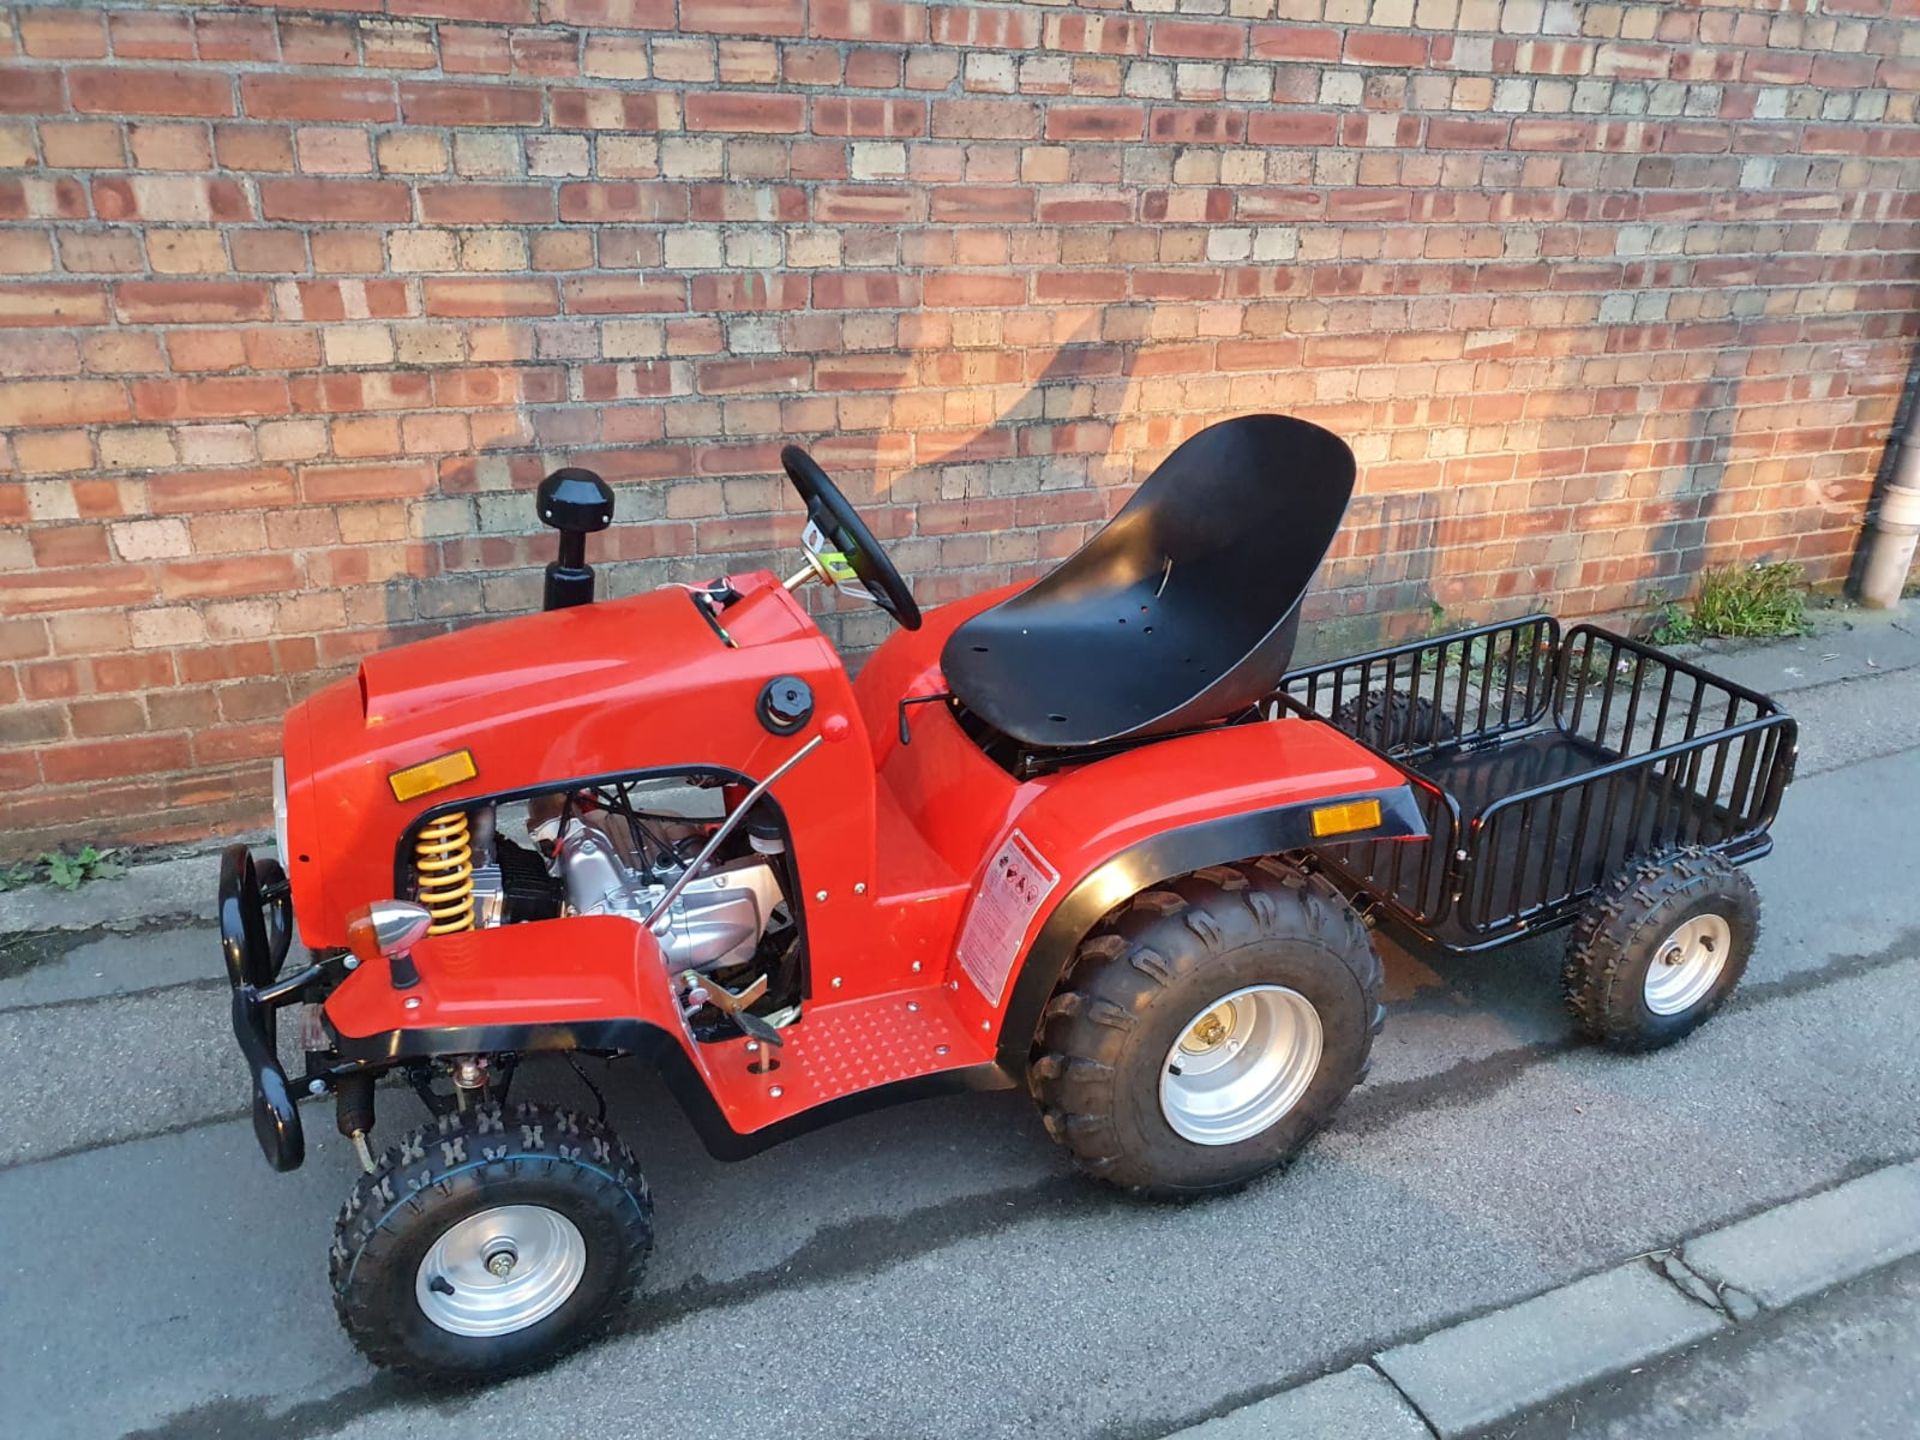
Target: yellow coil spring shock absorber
443 860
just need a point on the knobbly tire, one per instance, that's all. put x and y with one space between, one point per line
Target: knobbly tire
464 1166
1149 972
1393 720
1623 934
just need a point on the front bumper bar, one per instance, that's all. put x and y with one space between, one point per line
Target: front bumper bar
256 929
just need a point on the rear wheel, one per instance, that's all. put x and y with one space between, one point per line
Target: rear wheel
490 1242
1659 948
1207 1029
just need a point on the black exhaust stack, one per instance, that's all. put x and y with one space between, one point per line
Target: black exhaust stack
576 503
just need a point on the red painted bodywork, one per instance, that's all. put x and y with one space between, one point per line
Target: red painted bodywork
890 840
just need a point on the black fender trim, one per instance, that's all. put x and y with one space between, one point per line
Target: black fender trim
649 1043
1176 852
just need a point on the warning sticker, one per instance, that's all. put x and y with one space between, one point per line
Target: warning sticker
1017 883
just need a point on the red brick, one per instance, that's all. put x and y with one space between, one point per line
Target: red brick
986 120
152 36
624 294
188 302
507 295
868 116
324 97
637 110
130 91
1195 125
498 12
735 377
873 21
1295 42
1405 52
114 759
58 546
962 291
869 204
342 201
236 37
30 92
59 304
865 290
472 203
743 17
221 397
334 484
758 114
62 34
1452 134
1096 122
982 204
220 490
89 587
1292 129
263 148
228 575
428 103
1107 34
623 202
621 14
63 402
749 291
983 27
1198 39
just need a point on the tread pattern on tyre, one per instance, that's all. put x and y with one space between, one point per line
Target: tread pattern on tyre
560 1144
1600 973
1099 1002
1393 720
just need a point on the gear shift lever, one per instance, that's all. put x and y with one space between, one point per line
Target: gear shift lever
576 503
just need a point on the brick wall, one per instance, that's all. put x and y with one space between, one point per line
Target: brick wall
297 304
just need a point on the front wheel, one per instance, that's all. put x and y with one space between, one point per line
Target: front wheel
1207 1029
490 1242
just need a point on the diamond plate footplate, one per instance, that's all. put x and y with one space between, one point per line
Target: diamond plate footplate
842 1049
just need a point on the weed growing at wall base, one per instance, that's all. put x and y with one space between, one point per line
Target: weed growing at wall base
1750 600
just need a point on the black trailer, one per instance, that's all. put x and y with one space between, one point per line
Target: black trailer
1577 778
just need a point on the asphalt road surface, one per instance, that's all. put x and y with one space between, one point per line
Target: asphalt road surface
937 1269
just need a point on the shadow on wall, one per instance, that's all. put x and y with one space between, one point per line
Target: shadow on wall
1906 413
966 473
989 499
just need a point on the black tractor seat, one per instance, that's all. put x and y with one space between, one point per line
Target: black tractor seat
1181 611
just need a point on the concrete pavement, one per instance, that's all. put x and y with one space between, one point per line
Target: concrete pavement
937 1270
1842 1364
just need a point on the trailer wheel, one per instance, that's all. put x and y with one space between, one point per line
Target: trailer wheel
1659 948
1393 720
1207 1028
490 1242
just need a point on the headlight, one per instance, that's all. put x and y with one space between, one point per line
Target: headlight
280 813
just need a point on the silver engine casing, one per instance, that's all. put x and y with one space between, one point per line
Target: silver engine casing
716 921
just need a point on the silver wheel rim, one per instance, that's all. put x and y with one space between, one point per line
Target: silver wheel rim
1687 964
1240 1064
501 1270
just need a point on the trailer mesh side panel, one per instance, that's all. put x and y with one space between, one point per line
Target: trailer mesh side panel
1560 759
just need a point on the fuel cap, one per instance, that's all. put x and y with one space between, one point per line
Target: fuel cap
786 703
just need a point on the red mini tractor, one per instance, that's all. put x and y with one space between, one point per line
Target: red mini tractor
1087 836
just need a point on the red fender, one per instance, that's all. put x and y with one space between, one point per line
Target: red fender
1112 829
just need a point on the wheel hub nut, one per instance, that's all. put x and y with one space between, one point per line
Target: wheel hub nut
501 1259
1211 1030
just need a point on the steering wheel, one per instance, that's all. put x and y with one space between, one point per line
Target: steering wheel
844 532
